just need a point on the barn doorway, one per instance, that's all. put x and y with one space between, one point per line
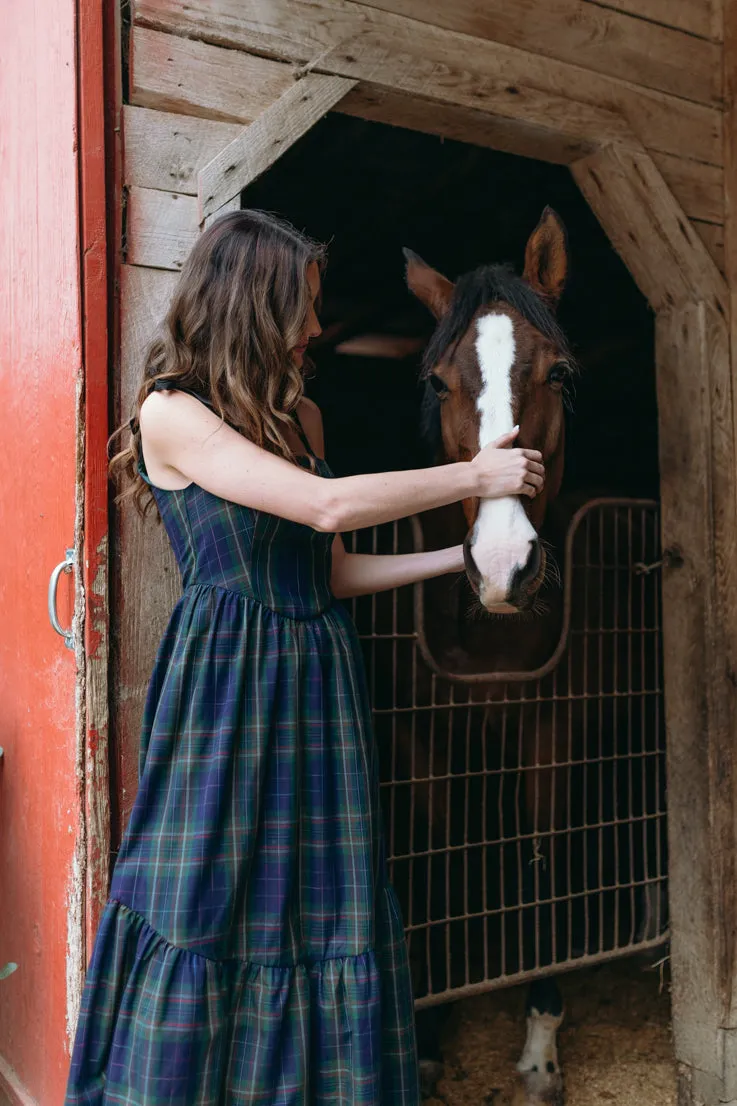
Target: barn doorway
491 894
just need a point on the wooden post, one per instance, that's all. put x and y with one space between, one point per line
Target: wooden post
698 509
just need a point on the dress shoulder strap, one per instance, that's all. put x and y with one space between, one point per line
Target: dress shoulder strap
173 386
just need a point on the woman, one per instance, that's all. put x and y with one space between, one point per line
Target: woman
252 949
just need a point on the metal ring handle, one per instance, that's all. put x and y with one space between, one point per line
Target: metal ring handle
66 566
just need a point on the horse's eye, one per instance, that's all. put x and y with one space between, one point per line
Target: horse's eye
558 373
438 385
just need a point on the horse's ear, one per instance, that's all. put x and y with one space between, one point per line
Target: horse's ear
546 257
430 287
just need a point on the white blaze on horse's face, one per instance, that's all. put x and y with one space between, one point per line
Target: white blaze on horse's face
503 538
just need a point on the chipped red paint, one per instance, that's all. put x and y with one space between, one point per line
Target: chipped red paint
41 817
94 301
54 824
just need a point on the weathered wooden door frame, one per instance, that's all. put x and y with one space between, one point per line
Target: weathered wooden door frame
673 269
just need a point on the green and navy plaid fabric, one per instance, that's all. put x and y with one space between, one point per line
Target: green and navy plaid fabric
252 951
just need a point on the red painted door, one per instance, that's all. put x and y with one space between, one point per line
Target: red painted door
45 878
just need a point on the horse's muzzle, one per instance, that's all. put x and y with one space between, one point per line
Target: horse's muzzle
523 585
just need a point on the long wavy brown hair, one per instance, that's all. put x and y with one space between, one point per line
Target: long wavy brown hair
239 309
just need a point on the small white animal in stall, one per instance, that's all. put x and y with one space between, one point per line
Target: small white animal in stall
539 1080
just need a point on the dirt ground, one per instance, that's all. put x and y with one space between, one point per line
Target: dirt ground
615 1044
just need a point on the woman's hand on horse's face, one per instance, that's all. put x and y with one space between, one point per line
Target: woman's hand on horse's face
502 471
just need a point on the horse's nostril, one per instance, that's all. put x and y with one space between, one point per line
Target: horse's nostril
474 576
529 573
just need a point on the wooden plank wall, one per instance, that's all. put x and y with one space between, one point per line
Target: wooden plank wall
654 65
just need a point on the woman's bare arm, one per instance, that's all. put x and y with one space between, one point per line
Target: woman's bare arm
366 573
184 441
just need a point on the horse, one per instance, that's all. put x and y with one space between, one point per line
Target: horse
499 359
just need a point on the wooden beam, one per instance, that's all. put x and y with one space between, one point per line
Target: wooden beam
527 121
649 230
167 151
146 580
323 33
583 34
698 188
161 228
698 17
262 143
697 449
234 86
729 54
712 235
478 128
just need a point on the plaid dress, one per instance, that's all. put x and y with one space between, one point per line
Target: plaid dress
252 950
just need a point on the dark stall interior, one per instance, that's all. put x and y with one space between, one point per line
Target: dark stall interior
369 189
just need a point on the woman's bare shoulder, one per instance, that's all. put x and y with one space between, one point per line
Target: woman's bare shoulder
167 412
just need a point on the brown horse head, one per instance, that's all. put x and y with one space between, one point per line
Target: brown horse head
498 359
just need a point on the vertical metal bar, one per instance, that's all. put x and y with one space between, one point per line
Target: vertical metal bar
643 707
600 743
615 724
569 800
584 768
466 843
519 775
553 847
501 837
394 716
630 723
658 690
448 827
430 818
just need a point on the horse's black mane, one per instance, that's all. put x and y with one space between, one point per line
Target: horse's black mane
490 284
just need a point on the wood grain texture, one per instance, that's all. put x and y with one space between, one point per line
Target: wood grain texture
264 141
526 121
234 87
166 151
698 188
603 40
323 34
729 9
233 204
696 437
145 576
698 17
649 230
463 124
161 228
712 235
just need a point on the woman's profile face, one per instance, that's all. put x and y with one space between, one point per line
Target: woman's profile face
312 327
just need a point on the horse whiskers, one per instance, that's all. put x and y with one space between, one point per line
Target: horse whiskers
476 612
553 574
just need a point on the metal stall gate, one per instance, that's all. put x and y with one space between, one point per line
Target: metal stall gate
525 812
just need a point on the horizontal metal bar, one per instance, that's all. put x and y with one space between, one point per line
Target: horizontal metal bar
514 979
535 835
